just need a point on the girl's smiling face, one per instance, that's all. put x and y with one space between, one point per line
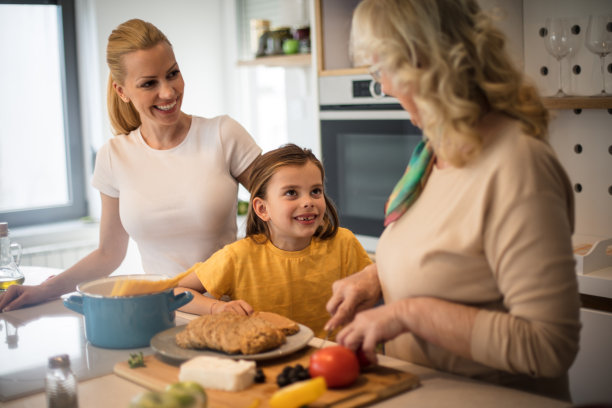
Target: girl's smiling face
153 84
293 207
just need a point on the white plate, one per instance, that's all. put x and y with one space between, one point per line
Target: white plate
164 344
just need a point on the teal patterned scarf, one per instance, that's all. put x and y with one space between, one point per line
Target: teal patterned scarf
409 187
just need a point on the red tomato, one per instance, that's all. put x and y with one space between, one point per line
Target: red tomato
337 364
362 358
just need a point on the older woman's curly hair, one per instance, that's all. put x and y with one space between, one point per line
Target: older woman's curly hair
455 62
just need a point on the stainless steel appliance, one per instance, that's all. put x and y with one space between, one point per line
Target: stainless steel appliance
366 142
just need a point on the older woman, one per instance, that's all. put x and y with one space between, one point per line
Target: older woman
475 265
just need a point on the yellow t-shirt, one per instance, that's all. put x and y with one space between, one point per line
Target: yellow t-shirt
295 284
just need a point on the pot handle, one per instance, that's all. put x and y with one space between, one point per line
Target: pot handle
179 300
74 303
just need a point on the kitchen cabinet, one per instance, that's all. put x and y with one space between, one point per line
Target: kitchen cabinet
590 375
333 21
333 26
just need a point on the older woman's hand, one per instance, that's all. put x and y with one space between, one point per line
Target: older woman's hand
352 294
373 326
445 324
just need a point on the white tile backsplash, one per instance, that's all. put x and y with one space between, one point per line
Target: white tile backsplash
591 168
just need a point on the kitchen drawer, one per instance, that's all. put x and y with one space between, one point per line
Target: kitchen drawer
591 374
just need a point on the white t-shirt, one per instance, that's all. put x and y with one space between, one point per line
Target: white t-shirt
179 205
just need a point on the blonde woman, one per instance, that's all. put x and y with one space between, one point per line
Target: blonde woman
475 265
167 179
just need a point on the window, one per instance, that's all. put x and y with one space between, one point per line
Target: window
41 156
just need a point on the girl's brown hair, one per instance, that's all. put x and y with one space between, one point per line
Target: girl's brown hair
264 167
133 35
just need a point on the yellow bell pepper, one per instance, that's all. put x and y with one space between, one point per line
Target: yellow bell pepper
298 394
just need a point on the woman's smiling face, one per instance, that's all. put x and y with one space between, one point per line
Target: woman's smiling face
153 84
294 206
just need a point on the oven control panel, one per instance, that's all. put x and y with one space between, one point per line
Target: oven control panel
352 90
361 88
367 89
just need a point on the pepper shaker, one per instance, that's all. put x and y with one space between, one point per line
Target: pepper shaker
61 383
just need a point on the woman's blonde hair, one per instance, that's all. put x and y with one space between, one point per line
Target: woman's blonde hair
264 167
133 35
454 60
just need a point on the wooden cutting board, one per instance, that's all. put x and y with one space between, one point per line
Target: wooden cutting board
374 383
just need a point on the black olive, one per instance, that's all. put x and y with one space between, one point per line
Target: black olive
292 374
260 377
282 380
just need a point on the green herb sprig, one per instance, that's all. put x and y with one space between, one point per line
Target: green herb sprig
136 360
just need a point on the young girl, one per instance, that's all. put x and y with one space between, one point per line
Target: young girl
293 251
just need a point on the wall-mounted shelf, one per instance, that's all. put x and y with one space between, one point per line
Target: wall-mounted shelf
294 60
579 102
344 71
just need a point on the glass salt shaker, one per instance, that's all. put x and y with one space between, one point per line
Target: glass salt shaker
61 383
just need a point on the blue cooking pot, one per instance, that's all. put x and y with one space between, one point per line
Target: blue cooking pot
121 322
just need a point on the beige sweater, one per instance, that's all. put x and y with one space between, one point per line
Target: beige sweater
495 234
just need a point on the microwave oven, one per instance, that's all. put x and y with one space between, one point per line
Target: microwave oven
366 143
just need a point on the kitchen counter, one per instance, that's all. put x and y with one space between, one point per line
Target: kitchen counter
99 387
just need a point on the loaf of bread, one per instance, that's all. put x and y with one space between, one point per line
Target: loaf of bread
230 333
286 325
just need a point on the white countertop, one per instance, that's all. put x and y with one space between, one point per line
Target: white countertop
39 337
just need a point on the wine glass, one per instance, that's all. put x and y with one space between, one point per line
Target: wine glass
599 41
558 43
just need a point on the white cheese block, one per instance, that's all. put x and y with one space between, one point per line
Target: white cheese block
219 373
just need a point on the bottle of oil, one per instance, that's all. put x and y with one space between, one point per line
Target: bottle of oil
9 271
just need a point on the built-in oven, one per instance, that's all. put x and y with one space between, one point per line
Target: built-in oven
366 142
